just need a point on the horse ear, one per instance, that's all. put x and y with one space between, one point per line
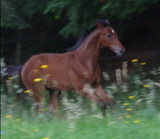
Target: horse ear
99 24
107 21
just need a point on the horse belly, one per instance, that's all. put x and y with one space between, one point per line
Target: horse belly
53 69
59 81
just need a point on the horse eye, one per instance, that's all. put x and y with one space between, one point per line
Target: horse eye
108 35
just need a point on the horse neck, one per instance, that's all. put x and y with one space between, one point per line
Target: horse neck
90 48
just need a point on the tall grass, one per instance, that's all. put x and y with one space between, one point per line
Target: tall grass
136 114
143 124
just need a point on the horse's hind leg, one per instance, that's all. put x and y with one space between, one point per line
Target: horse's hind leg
53 101
101 93
38 95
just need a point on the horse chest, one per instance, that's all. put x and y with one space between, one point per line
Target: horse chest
87 76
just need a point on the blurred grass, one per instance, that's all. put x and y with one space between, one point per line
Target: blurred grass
136 114
88 127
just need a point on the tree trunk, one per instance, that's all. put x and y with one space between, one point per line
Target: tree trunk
18 47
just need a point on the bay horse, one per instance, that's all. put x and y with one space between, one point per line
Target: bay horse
72 70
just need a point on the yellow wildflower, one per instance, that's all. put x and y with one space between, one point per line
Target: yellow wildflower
126 121
120 117
125 104
44 66
134 60
48 75
130 97
35 70
128 116
142 63
36 130
45 138
9 78
17 119
45 109
136 121
27 91
129 109
8 116
146 86
37 79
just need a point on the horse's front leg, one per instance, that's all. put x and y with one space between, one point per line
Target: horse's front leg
102 94
90 95
106 100
93 97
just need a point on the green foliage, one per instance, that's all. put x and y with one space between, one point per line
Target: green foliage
10 17
81 14
77 15
16 14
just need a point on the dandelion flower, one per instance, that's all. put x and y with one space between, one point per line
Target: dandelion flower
136 121
45 138
45 109
128 116
120 117
130 97
9 78
8 116
48 75
134 60
36 130
146 86
27 91
37 79
44 66
17 119
129 109
126 122
125 104
142 63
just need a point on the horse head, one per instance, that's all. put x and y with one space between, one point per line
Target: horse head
109 38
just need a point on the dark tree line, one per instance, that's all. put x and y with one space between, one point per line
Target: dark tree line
29 27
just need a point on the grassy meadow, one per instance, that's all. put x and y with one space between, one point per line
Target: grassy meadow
136 114
142 125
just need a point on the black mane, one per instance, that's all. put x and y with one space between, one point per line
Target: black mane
86 33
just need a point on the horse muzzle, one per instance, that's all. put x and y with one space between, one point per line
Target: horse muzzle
119 50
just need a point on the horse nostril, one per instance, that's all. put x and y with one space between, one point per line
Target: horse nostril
122 51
